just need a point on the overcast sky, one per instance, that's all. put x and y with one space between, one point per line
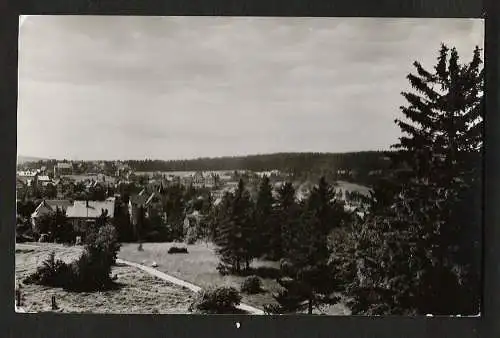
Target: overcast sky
182 87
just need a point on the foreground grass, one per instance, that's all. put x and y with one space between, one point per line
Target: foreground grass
136 292
199 268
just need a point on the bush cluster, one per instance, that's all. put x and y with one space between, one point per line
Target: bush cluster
223 269
176 250
159 234
272 309
251 285
91 271
191 236
24 232
52 272
216 301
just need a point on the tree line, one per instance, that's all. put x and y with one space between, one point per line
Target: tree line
298 164
281 228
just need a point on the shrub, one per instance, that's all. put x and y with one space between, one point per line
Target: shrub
216 300
103 243
21 238
24 232
176 250
52 272
160 234
251 285
44 238
223 269
272 309
286 267
191 236
91 271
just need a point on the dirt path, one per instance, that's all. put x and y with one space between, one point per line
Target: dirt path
163 276
174 280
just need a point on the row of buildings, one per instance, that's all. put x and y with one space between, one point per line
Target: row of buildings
79 213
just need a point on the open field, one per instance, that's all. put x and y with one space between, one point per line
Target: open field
137 291
199 268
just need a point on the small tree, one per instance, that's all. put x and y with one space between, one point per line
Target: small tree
264 239
310 280
44 224
251 285
93 269
57 226
50 191
25 208
122 223
62 229
235 231
287 213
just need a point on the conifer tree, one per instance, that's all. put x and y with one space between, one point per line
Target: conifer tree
443 124
62 230
309 278
235 231
410 249
263 241
174 206
286 216
218 214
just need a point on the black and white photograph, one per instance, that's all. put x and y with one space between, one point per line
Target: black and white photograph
249 165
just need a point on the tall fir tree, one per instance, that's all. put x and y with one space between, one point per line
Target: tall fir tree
443 119
415 253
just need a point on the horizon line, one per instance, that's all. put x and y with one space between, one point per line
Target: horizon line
44 158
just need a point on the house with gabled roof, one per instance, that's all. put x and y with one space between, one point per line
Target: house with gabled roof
135 203
149 202
47 207
83 213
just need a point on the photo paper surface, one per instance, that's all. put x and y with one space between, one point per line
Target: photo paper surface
248 165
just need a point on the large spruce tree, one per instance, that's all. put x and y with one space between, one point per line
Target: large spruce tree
417 251
442 122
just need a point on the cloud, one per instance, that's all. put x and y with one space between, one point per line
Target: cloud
212 86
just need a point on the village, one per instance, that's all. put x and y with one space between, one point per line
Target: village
84 190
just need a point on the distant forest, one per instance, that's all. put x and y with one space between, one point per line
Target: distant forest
360 167
301 165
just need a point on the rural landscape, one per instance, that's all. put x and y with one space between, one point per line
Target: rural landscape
391 231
